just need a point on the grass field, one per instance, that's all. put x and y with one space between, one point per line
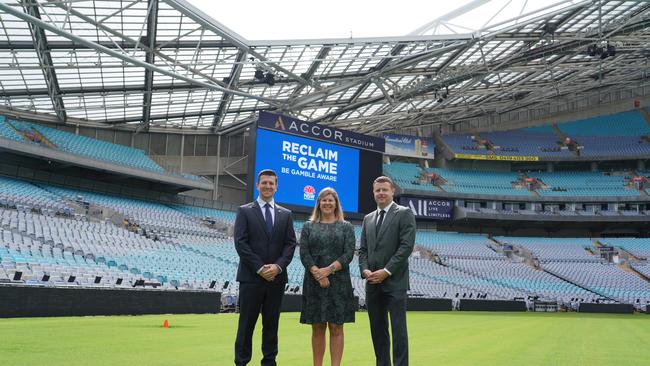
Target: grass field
440 338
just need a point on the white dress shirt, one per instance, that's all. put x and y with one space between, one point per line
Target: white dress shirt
261 202
386 209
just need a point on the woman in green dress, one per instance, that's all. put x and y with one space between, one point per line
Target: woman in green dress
326 250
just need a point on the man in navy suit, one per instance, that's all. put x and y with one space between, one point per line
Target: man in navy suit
265 241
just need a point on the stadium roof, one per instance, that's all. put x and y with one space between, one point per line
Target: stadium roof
164 63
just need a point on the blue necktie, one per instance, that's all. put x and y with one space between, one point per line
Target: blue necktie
268 218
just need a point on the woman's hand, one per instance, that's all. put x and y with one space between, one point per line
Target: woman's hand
324 282
313 270
321 273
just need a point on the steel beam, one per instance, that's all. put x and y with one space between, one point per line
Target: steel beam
324 51
211 86
152 25
205 20
45 59
233 79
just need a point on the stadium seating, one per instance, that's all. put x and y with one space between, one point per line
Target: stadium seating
524 143
583 184
85 146
151 216
170 246
455 245
509 143
407 176
26 196
555 184
480 182
92 148
614 135
227 217
630 123
605 279
643 269
518 276
639 247
432 279
554 249
7 132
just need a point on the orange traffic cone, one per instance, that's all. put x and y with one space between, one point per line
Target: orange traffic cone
166 324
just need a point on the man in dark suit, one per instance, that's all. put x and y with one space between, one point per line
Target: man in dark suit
265 241
387 240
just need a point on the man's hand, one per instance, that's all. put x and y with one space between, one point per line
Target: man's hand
324 282
377 277
269 271
366 273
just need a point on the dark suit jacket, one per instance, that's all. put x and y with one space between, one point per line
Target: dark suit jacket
390 248
256 248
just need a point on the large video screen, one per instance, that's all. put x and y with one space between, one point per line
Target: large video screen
305 166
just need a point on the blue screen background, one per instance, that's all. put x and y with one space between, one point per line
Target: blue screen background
269 155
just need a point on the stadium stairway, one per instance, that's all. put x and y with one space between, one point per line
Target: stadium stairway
562 136
627 255
577 284
528 258
35 133
645 115
558 132
518 251
626 267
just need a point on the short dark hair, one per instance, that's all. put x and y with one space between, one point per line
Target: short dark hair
268 172
384 179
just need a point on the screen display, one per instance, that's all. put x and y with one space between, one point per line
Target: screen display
305 166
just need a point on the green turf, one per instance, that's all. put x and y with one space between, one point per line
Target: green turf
446 338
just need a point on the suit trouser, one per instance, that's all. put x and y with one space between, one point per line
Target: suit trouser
253 299
380 304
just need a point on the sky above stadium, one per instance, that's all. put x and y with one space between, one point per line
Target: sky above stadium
300 19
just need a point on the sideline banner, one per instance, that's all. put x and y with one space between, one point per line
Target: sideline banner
429 208
317 131
409 146
496 157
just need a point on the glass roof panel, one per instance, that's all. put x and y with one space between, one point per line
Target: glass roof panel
99 87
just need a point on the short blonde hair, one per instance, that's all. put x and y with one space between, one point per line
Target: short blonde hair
338 210
384 179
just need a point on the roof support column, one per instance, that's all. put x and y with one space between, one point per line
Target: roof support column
150 41
43 51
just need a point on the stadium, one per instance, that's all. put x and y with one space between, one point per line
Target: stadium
131 131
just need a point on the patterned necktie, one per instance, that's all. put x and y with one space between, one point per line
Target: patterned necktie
380 221
268 218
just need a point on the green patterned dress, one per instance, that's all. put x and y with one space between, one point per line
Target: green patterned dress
320 245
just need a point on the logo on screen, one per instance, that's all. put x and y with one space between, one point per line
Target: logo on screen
309 193
279 124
